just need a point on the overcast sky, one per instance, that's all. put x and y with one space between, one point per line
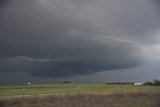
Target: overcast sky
79 40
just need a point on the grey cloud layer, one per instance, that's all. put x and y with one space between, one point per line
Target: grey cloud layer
56 38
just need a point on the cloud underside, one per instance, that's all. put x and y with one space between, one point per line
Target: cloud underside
75 37
64 67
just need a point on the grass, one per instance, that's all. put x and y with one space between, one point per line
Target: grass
72 89
79 95
85 100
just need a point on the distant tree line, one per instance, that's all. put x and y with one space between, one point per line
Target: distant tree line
120 83
66 82
148 83
154 82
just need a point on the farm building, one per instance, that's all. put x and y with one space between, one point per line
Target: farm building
139 83
29 83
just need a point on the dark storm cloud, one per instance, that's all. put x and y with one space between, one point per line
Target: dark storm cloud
157 6
2 2
68 67
57 38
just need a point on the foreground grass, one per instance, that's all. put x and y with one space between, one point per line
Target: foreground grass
84 100
72 89
79 95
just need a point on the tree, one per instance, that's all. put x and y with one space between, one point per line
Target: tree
156 82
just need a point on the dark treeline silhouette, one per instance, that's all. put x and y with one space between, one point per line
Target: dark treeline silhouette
120 83
154 82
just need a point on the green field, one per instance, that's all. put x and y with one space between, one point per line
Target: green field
72 89
79 95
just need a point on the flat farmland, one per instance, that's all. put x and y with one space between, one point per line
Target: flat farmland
79 95
15 90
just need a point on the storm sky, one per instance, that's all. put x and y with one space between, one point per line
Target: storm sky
79 40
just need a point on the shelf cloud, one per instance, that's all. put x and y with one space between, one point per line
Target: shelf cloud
61 38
